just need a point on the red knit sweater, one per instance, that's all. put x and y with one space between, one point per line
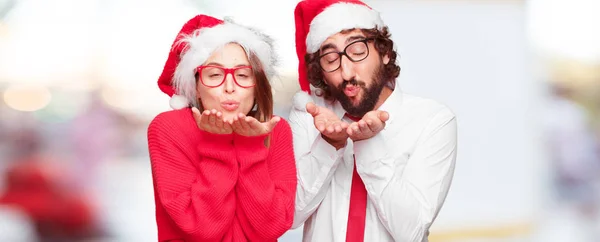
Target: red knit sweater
211 187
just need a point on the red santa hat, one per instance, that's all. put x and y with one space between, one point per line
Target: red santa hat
197 40
316 20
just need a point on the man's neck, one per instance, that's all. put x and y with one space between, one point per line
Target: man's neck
385 93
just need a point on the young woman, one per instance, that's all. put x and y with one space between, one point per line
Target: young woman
222 165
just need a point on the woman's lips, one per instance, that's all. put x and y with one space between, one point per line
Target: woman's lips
230 105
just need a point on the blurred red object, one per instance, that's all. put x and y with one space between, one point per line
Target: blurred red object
39 189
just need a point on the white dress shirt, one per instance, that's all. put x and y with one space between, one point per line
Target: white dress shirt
407 169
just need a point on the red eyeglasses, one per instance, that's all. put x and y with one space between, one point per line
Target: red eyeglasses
214 76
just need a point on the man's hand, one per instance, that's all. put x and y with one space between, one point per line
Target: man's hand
249 126
370 125
211 121
331 127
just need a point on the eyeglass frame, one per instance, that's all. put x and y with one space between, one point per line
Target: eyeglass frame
343 53
227 71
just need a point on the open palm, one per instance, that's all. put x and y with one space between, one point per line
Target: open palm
249 126
328 123
211 121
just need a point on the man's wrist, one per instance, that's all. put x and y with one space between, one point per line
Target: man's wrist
337 144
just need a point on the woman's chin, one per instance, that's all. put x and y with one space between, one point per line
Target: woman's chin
229 115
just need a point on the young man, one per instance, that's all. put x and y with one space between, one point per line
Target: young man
374 164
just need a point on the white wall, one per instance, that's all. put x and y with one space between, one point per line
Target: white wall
474 57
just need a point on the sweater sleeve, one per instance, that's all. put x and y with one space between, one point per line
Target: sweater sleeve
267 184
196 192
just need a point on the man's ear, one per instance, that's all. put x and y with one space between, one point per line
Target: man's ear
386 59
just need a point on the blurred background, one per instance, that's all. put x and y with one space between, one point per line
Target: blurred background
78 90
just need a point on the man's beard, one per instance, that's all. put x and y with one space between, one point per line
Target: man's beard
369 97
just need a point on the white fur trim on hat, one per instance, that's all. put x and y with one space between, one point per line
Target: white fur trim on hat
338 17
179 102
203 42
300 99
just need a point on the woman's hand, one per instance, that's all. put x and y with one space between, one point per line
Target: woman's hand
249 126
211 121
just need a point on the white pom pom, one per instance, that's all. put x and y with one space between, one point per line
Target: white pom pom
300 100
178 102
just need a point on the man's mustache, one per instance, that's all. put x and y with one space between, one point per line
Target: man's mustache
352 81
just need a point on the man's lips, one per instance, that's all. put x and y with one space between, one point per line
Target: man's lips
351 90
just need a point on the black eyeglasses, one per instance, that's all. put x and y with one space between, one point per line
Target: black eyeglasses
355 51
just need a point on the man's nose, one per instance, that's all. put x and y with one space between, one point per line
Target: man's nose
347 68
